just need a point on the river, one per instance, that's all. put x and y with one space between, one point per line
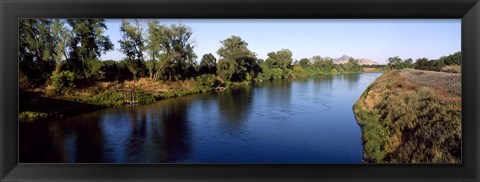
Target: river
281 121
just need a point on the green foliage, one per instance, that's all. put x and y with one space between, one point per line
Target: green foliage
63 80
88 41
29 116
452 59
304 62
397 63
437 65
144 98
277 73
280 60
234 52
226 69
209 80
92 69
298 71
208 65
105 98
109 71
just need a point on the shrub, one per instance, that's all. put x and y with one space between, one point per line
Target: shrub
454 68
206 80
144 98
298 71
63 80
277 73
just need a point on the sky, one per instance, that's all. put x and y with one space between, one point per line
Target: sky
372 39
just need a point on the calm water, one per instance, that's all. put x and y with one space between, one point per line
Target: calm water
282 121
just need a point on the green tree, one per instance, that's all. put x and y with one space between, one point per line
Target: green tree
422 64
304 62
395 63
452 59
88 42
234 50
132 45
208 64
36 47
408 63
61 37
155 36
226 69
179 62
281 60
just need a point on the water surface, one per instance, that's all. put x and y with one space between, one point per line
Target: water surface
282 121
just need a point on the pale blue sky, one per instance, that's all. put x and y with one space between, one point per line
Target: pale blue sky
373 39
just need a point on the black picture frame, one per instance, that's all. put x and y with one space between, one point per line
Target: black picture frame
466 10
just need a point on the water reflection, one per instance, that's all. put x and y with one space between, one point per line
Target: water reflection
234 104
301 120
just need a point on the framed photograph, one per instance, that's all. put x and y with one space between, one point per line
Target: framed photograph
239 90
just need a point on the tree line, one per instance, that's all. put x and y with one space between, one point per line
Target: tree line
67 52
450 63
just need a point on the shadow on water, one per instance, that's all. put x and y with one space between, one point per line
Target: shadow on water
234 105
58 141
135 134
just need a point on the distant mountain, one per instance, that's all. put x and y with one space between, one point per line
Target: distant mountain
344 59
367 62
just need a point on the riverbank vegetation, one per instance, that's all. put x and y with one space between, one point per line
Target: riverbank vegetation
411 116
60 59
450 63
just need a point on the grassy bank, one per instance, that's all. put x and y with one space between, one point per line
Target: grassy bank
43 102
411 116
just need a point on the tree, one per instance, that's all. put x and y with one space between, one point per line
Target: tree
88 39
208 64
304 62
452 59
87 43
422 64
234 50
132 45
408 63
226 69
281 60
155 36
61 37
36 47
395 63
178 58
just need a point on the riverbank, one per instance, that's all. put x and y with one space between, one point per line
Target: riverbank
411 116
41 103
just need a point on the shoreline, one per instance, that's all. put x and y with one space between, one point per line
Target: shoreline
81 101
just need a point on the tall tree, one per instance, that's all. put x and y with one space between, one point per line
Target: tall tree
132 45
234 50
88 39
61 37
35 49
88 43
155 36
178 60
